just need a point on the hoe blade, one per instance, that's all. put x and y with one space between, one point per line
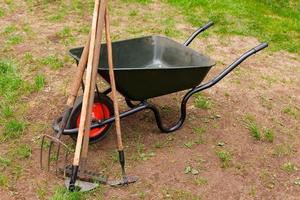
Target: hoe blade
124 181
82 186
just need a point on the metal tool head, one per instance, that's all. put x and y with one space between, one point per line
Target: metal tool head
53 141
82 186
124 181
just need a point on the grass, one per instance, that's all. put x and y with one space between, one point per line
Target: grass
283 150
202 102
292 111
39 82
225 158
200 181
13 129
269 135
62 193
172 193
53 62
23 151
277 22
289 167
252 126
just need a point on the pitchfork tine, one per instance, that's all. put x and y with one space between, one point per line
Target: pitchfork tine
57 155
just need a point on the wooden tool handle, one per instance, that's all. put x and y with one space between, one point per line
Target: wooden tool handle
100 26
86 94
79 74
112 83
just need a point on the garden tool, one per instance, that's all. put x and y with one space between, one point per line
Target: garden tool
85 121
67 111
126 180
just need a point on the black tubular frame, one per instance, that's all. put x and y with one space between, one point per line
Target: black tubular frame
134 108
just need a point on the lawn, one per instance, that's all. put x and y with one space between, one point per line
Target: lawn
245 130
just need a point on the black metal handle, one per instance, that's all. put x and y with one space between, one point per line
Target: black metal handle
228 69
197 32
260 47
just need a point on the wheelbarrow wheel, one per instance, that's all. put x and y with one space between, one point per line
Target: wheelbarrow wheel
102 109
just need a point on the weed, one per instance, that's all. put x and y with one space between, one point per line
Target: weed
41 192
23 151
14 39
292 111
266 102
53 61
252 126
200 181
28 57
39 82
289 167
4 162
13 129
61 193
225 157
3 180
9 29
2 12
254 130
189 144
7 111
267 179
133 13
202 102
171 193
283 150
66 36
269 135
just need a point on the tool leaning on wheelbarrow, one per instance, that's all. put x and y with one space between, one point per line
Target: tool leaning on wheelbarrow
145 68
91 54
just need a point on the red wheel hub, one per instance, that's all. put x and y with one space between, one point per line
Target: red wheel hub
100 112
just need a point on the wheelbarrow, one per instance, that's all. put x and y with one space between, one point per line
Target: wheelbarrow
145 68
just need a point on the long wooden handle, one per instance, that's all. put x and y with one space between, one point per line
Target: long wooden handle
79 73
100 26
112 82
86 94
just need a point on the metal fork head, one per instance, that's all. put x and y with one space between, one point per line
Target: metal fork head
54 141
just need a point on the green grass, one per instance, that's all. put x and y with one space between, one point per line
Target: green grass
3 180
289 167
172 193
4 162
39 82
225 157
275 21
23 151
202 102
269 135
2 12
252 126
200 181
62 193
13 129
292 111
52 61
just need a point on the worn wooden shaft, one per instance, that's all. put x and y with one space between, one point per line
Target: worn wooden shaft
100 26
86 95
113 83
79 74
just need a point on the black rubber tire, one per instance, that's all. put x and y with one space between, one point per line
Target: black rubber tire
101 98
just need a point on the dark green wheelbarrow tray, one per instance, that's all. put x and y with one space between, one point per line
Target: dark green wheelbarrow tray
144 68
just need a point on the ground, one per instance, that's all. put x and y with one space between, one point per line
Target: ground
240 139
